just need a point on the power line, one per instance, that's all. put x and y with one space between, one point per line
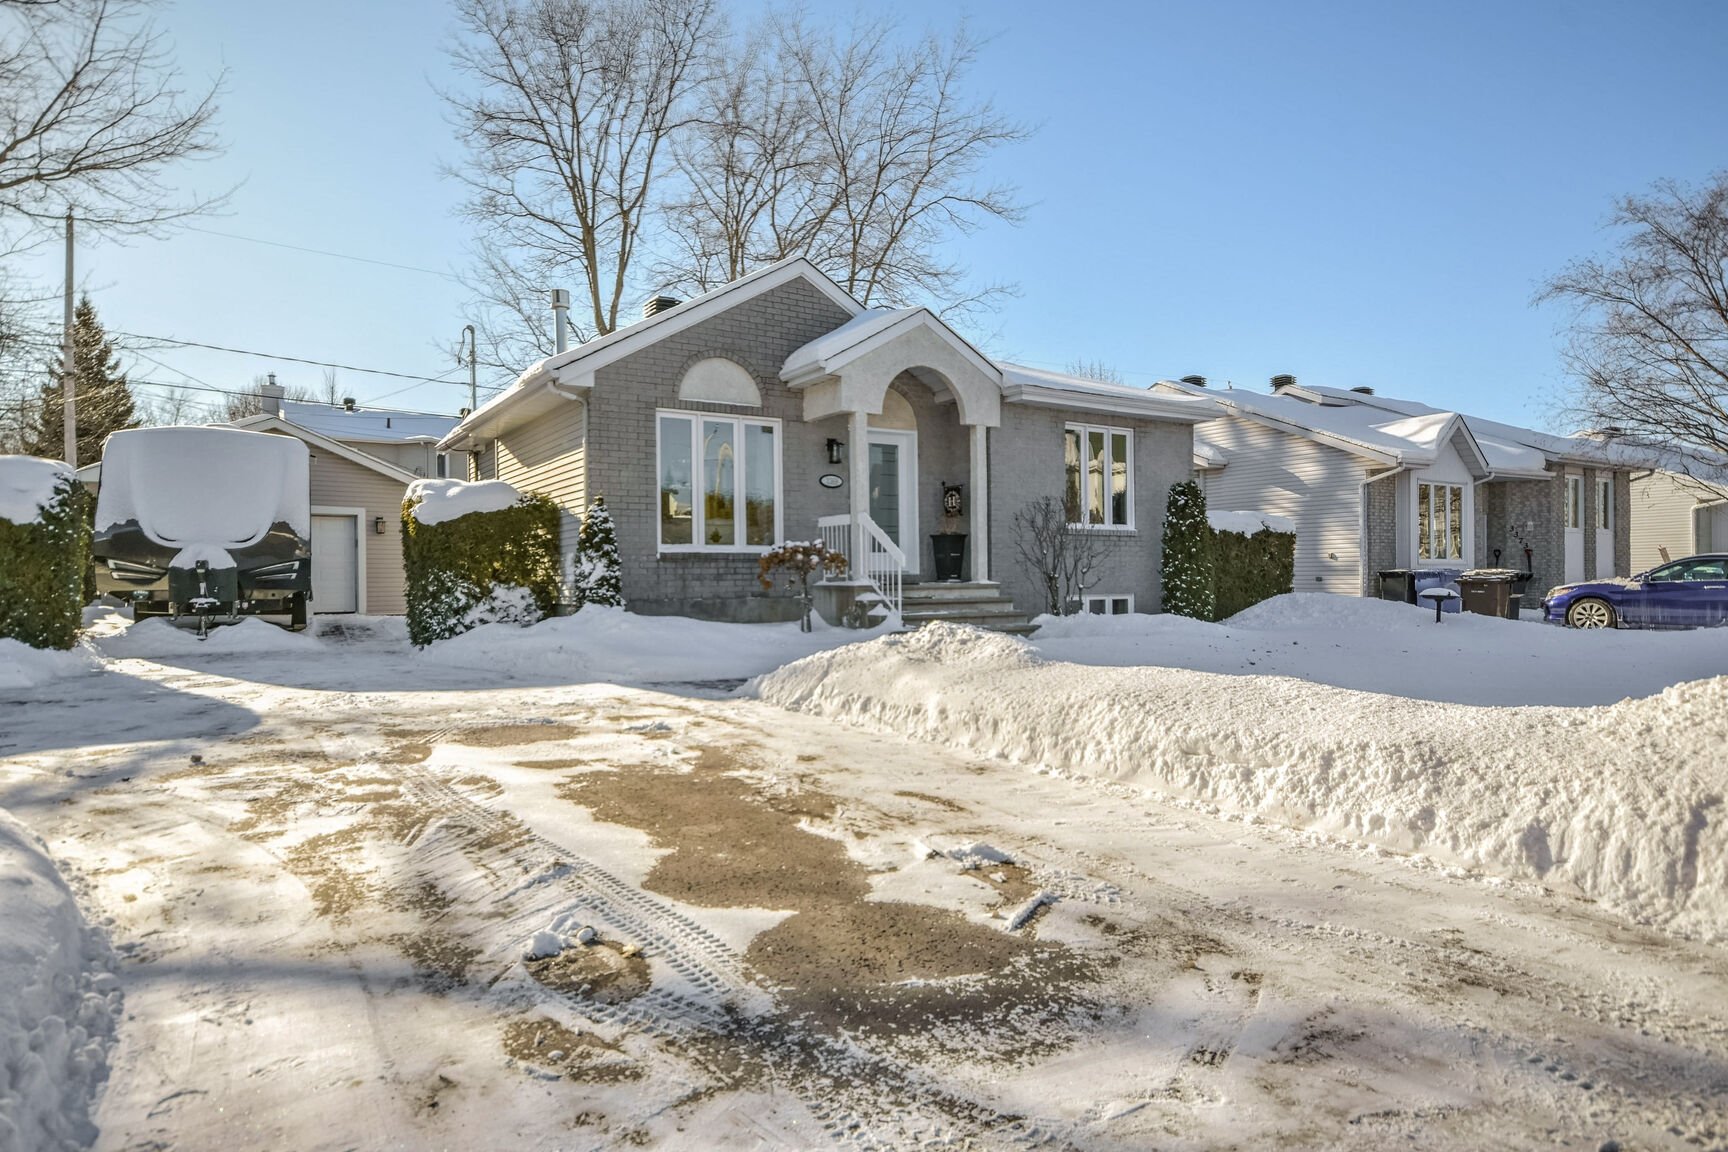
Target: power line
281 356
326 252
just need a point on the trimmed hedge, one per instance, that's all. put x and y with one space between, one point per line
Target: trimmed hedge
42 567
452 568
1249 569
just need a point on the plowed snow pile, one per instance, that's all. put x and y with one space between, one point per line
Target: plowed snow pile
1623 803
57 1004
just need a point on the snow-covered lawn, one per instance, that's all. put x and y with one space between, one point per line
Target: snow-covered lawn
331 866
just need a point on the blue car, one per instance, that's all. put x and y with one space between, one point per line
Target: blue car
1689 593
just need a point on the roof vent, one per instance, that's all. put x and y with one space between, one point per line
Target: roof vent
1197 381
1282 381
1363 389
659 304
347 403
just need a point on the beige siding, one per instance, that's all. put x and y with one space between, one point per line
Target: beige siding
1662 517
345 484
549 455
1320 488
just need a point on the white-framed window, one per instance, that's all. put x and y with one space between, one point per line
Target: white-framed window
1108 605
1442 514
1100 476
1605 503
1575 502
719 482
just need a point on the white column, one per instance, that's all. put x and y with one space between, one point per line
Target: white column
980 505
858 444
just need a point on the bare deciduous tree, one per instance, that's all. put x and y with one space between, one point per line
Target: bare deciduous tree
1059 556
575 103
1094 370
91 116
1649 343
614 138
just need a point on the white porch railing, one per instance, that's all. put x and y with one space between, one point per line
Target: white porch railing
883 565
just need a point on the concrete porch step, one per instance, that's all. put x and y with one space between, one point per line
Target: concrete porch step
967 614
1018 626
950 590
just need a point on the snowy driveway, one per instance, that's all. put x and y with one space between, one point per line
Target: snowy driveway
807 936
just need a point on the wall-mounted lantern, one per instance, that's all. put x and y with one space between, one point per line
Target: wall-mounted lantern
378 526
834 447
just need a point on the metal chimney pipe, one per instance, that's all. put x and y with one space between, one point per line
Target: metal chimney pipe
561 318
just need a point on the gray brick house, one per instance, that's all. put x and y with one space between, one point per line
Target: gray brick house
778 408
1375 483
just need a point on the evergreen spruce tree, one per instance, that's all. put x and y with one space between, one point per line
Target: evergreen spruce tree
1187 566
103 396
597 579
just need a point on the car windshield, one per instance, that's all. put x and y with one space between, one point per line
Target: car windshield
1690 570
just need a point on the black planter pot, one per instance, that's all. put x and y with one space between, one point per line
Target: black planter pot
949 550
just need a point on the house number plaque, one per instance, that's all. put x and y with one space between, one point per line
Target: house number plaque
831 480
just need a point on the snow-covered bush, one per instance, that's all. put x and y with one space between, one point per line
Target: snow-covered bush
1187 567
471 554
1253 559
44 550
595 577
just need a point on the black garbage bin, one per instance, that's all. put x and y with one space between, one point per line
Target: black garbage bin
1488 592
949 552
1515 602
1398 584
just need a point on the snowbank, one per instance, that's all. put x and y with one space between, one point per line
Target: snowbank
610 644
156 637
22 666
1385 646
1621 803
58 1003
219 486
27 484
441 500
1248 523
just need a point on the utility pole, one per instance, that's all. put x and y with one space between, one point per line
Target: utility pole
473 353
68 372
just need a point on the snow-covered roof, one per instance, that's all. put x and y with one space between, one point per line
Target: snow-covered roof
1510 449
1209 455
1025 385
263 422
27 485
367 425
1386 437
861 328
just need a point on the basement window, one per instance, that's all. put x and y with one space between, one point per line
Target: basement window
1106 605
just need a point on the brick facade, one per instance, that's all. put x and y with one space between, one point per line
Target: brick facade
1381 515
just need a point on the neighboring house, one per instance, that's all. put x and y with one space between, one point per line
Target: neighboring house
362 464
778 408
1678 513
1375 483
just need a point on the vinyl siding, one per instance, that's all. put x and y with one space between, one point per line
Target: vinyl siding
1663 507
1318 487
549 455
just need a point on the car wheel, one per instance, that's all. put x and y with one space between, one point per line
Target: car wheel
1590 614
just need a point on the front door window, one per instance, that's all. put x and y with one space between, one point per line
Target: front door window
885 490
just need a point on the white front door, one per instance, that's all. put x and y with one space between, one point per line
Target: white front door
1605 566
1574 518
894 489
335 563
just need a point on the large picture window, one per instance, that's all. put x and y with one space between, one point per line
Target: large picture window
719 483
1440 515
1100 476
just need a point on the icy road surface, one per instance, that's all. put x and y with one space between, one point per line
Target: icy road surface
324 866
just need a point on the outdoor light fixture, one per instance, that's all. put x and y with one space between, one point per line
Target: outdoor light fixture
378 525
834 447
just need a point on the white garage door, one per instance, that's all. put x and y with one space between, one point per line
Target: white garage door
335 564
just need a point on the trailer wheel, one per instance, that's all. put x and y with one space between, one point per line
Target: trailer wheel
297 613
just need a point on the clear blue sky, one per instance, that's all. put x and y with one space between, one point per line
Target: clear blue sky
1361 193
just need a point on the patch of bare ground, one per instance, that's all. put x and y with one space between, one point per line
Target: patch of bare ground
925 976
583 1056
513 735
440 960
556 765
601 971
475 782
